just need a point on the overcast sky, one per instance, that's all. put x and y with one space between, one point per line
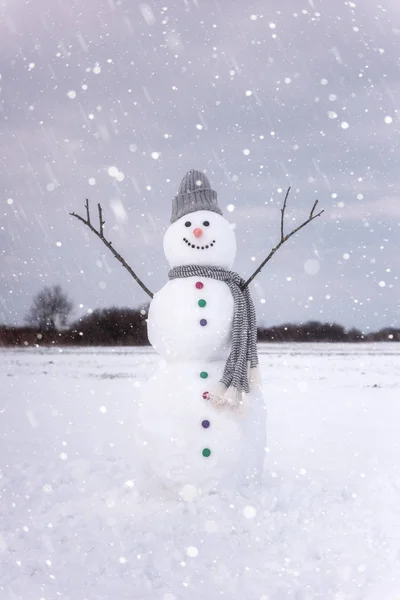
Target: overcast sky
116 100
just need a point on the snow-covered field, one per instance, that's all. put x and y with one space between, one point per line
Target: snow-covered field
326 524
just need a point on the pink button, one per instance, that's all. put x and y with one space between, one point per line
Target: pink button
199 285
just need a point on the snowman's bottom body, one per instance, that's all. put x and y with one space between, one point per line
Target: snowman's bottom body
182 439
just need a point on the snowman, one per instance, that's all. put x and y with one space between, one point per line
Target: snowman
201 420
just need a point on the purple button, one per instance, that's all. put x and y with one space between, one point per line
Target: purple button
205 423
203 322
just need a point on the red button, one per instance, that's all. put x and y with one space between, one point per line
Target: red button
199 285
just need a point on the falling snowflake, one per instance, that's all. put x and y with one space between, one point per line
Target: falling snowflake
188 493
112 171
312 266
249 512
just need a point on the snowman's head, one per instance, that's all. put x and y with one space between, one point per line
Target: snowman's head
201 238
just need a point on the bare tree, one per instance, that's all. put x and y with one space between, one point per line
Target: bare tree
50 309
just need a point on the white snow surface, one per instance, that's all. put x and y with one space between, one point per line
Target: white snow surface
326 523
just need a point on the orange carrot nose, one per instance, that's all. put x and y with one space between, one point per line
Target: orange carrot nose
198 232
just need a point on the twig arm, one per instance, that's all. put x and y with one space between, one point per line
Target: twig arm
87 211
101 220
264 262
100 234
283 211
284 238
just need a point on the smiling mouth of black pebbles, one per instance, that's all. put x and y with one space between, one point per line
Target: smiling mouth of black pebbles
198 247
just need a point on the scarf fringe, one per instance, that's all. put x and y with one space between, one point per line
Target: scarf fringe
231 398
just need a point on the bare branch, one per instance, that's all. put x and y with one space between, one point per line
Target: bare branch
80 218
313 208
284 238
87 211
283 211
101 219
100 234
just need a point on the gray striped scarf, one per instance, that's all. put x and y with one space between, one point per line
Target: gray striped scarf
241 367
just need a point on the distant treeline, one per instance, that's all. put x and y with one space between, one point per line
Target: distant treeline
127 327
314 331
103 327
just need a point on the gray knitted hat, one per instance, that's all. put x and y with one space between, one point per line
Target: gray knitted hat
194 193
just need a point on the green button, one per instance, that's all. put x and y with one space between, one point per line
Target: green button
206 452
202 303
204 375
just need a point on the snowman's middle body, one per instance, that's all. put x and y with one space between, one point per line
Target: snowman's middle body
183 439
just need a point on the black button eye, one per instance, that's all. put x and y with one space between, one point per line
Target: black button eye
187 224
206 223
